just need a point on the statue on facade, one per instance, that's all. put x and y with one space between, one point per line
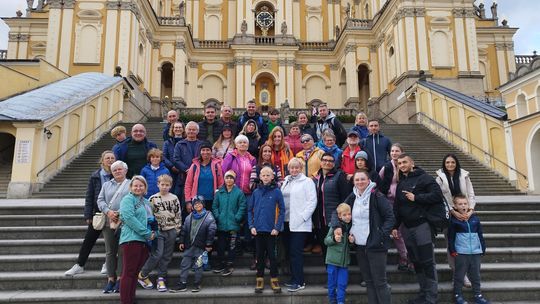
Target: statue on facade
284 28
243 27
285 111
337 31
18 13
40 5
494 10
181 9
482 11
348 10
30 4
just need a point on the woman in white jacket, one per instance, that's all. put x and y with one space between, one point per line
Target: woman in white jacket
300 198
453 181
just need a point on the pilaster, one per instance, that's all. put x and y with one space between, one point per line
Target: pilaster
109 59
179 78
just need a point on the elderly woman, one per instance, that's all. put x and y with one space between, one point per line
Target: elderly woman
311 155
372 222
328 145
251 131
241 162
281 153
300 198
97 179
134 211
108 202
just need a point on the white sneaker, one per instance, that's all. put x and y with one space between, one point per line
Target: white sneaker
104 269
76 269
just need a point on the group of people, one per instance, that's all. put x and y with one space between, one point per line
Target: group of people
218 185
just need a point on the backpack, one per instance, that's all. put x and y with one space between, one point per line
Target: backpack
438 215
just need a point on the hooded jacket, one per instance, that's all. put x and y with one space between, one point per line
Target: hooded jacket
92 194
266 209
204 237
332 122
242 166
464 184
229 208
378 148
334 150
466 237
151 177
313 163
426 192
261 124
361 130
192 177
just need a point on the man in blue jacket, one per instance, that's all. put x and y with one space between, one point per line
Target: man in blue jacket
133 151
377 145
251 113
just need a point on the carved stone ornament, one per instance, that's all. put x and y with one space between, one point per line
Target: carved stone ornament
297 66
19 37
284 28
334 67
156 44
180 45
230 65
193 64
55 4
350 48
69 3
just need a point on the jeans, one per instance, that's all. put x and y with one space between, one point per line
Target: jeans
265 245
188 261
296 254
419 242
90 239
226 242
373 268
467 264
135 253
161 254
338 278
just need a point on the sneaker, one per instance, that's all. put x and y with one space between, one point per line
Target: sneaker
116 288
289 284
103 269
296 287
145 282
160 283
458 299
109 287
219 268
76 269
180 287
479 299
196 288
227 272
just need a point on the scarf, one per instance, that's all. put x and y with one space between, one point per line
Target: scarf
199 216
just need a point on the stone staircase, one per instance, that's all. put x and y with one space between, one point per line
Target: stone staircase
428 151
5 177
73 180
40 239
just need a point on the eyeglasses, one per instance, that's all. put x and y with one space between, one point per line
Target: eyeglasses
305 141
326 160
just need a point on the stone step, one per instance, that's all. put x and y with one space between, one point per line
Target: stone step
60 255
243 276
499 291
507 215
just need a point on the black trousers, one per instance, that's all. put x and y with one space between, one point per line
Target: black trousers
265 245
90 239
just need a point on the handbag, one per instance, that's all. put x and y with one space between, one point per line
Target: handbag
98 221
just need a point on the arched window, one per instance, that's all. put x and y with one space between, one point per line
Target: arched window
521 106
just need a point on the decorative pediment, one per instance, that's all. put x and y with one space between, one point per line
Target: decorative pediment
89 15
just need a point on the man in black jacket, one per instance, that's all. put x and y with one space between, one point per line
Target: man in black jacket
210 128
416 191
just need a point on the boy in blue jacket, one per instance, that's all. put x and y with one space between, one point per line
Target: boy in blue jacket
266 213
466 244
154 169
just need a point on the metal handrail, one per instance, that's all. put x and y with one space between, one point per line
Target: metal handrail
422 115
77 143
387 115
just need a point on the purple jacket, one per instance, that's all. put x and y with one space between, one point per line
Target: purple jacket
239 164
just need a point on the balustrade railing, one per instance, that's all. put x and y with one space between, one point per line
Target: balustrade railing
213 44
265 40
179 21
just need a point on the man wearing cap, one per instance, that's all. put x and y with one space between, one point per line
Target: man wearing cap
310 154
347 158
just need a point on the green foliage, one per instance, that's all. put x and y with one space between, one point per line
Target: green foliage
191 117
346 118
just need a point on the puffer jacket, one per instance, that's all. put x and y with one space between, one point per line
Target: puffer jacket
266 209
313 163
466 237
151 177
332 190
464 184
338 254
229 208
204 237
217 127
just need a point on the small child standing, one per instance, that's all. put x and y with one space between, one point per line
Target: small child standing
196 238
166 208
229 208
337 255
266 213
154 169
466 244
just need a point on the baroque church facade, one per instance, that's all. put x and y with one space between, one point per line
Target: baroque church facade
356 54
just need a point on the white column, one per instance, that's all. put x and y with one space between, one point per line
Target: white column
300 99
501 62
124 40
239 15
155 73
230 84
193 75
289 16
510 59
472 44
232 19
460 44
110 42
331 21
412 64
296 19
134 47
22 52
383 76
335 78
374 83
248 94
352 75
240 102
195 21
64 58
53 34
422 42
12 50
337 14
402 59
179 78
250 19
279 17
290 84
282 80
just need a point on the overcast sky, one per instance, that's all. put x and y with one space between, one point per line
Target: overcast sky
520 13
